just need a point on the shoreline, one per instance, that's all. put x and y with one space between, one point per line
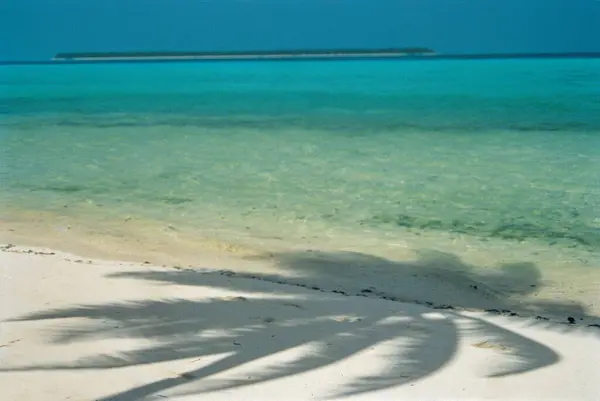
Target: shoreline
148 332
423 268
271 275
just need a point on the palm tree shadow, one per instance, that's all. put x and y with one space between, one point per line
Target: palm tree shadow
311 329
434 279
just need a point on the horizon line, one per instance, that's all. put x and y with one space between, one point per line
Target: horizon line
317 54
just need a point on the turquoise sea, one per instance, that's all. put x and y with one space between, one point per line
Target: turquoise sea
375 156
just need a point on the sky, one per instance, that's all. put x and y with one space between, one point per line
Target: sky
38 29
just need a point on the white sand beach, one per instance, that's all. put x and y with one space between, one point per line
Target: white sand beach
79 329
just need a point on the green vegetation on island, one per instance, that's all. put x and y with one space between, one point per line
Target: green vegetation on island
388 52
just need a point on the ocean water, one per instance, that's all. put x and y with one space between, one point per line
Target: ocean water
491 160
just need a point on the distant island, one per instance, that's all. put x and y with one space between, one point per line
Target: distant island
240 55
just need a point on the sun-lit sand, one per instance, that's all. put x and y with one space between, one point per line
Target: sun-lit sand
82 329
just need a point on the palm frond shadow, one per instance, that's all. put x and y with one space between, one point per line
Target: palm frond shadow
319 328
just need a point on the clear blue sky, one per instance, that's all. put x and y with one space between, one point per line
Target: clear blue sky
37 29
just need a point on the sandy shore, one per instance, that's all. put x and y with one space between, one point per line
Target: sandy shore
82 329
430 269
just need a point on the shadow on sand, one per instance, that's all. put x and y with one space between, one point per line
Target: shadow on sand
314 329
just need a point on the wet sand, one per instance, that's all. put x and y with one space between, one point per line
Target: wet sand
427 268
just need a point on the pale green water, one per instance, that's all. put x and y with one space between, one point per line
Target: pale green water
542 185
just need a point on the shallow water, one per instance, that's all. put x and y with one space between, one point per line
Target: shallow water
362 155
